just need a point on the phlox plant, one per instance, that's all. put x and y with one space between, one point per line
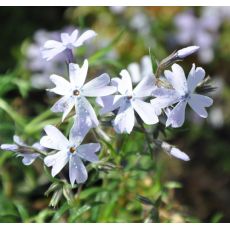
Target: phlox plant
158 98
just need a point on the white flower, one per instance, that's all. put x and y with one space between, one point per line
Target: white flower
23 150
75 91
69 151
183 93
139 71
52 47
129 101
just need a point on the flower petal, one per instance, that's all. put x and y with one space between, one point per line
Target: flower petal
63 87
18 140
86 112
57 161
87 151
51 44
74 71
82 125
73 36
177 115
198 103
125 119
50 160
195 76
160 103
51 52
77 170
98 87
85 36
125 85
164 92
135 72
54 139
65 38
28 159
146 111
145 87
81 74
65 105
177 79
109 103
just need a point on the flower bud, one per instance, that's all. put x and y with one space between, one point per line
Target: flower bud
182 53
173 151
9 147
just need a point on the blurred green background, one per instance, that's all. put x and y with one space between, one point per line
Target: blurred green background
195 191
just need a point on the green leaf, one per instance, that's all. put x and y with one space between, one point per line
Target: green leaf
217 217
43 215
34 124
23 86
153 61
22 212
59 213
13 114
89 192
79 212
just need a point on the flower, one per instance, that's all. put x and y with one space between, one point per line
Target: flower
69 151
202 30
129 101
38 66
139 71
21 149
75 91
183 92
52 47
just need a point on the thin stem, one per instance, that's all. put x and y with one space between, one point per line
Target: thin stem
70 57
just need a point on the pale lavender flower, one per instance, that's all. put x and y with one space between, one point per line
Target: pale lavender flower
117 9
52 47
129 101
201 31
39 67
21 149
69 151
74 93
139 71
183 92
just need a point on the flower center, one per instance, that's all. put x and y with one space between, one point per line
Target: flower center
76 92
72 149
186 96
129 97
69 46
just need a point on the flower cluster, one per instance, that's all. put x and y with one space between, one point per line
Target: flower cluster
164 93
202 30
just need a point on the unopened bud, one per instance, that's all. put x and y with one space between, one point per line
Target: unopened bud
182 53
9 147
173 151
